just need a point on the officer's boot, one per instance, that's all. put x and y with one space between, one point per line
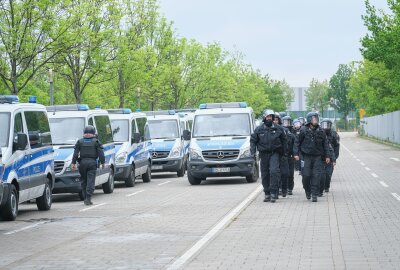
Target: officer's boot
88 200
274 197
308 195
314 198
267 198
290 192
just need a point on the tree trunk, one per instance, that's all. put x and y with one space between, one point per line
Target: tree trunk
121 89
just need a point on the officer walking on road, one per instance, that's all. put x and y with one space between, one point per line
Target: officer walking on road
334 142
287 124
313 145
269 139
87 151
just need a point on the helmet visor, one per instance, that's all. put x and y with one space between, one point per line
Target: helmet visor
326 125
297 125
287 122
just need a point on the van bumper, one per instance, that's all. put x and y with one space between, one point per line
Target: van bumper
203 169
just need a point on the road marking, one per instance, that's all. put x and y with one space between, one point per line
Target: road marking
25 228
395 159
94 206
347 149
137 192
218 227
368 169
383 184
355 157
362 164
358 160
374 175
166 182
397 196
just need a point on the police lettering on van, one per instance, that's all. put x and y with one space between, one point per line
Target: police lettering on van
67 123
220 143
132 157
26 156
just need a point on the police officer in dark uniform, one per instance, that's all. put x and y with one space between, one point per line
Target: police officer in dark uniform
296 131
302 120
287 124
334 142
283 163
313 145
87 151
269 139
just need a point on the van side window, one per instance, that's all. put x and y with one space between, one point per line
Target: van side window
103 126
38 128
133 127
90 122
18 126
141 123
190 124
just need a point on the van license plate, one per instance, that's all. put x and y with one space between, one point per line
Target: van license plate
221 170
156 167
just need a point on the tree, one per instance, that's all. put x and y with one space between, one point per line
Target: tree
317 96
279 93
338 90
32 33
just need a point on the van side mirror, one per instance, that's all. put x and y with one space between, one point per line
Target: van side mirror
22 141
186 135
136 138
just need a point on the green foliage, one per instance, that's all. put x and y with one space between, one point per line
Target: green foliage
317 96
279 93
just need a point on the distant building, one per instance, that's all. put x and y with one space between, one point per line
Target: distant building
298 106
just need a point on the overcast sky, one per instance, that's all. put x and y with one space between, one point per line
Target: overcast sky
289 39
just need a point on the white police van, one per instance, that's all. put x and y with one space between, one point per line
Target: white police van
220 144
186 119
132 156
26 156
164 131
67 123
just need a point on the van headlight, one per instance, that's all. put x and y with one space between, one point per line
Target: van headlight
68 166
121 158
176 152
246 153
194 155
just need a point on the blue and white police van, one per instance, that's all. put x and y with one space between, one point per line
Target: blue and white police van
220 143
26 156
132 158
67 123
164 131
186 118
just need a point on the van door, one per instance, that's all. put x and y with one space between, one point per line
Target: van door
40 150
104 133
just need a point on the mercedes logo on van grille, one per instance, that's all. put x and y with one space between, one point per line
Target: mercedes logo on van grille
154 155
220 155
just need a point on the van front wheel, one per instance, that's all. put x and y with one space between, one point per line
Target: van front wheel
9 211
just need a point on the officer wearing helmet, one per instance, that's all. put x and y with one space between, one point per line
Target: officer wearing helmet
270 140
283 162
296 131
312 143
87 151
288 125
302 120
334 142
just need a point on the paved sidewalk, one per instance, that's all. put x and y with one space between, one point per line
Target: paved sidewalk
355 226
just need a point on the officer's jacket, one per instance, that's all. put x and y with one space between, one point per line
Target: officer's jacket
312 142
268 139
88 147
290 138
334 141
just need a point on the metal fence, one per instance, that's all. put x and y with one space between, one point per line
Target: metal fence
385 127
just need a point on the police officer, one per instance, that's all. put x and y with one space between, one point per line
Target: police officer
88 149
302 120
334 141
296 131
283 162
287 124
269 139
313 145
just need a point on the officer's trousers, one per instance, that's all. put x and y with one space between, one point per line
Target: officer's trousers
312 174
291 173
284 166
270 172
328 175
87 169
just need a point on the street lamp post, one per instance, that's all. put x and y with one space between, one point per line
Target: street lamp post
51 87
138 90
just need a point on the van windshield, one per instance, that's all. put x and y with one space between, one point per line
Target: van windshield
120 130
4 128
214 125
66 130
162 129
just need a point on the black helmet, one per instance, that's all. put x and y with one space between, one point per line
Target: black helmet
269 112
310 116
278 117
283 114
302 120
89 130
326 124
297 124
287 121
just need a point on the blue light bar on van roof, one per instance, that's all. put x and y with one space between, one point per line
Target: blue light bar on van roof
223 105
32 99
71 107
10 99
120 111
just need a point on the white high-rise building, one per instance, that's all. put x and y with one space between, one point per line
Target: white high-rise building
299 101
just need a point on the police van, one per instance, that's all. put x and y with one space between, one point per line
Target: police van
67 123
186 118
132 158
26 156
220 143
164 131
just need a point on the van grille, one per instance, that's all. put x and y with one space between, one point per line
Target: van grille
221 155
58 166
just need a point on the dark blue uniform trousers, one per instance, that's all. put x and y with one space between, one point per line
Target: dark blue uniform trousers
270 172
312 173
87 169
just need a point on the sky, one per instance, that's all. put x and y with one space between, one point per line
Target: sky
295 40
